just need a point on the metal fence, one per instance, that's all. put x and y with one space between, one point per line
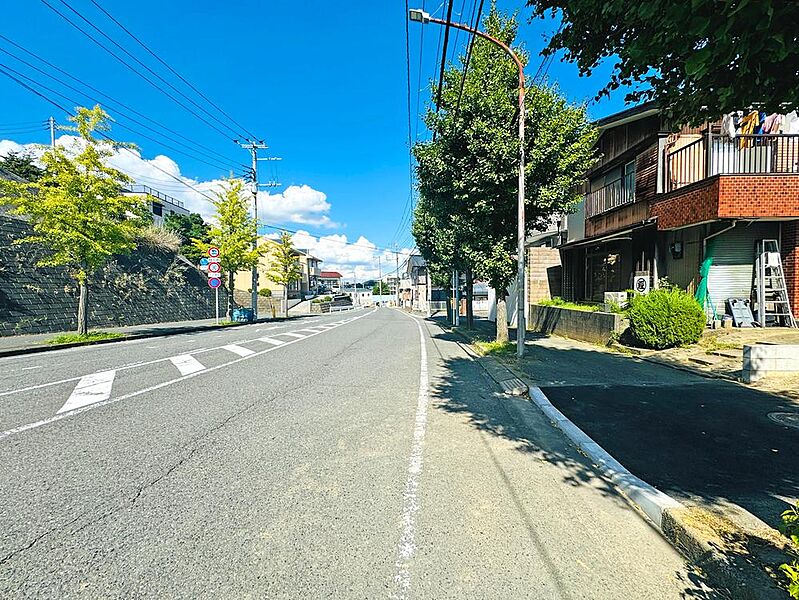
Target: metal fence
614 194
758 154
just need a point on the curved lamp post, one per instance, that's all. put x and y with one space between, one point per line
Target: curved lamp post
420 16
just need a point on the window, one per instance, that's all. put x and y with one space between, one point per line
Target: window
629 180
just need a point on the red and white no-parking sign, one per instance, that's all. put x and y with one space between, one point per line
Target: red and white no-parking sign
214 268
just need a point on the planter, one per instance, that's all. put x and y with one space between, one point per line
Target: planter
595 327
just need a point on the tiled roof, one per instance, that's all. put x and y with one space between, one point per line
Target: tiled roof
330 275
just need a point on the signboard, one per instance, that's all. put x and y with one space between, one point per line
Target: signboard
203 262
214 282
641 284
214 268
213 252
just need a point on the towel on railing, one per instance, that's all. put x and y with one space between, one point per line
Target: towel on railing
773 123
748 125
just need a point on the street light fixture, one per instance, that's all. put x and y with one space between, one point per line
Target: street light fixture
420 16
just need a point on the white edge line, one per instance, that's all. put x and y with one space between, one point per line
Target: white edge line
64 415
647 497
406 547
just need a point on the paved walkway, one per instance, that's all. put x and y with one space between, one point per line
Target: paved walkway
705 441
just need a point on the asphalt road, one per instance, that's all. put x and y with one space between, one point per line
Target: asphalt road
356 455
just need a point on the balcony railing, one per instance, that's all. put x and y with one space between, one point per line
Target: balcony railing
758 154
614 194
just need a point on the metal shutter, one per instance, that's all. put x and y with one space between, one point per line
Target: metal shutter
732 272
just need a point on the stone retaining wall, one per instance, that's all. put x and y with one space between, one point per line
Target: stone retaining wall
149 286
596 327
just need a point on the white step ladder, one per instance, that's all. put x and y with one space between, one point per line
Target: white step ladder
771 292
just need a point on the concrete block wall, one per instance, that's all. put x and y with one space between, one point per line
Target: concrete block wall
148 286
543 274
596 327
761 360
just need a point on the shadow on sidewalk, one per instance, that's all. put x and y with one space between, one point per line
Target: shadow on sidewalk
465 390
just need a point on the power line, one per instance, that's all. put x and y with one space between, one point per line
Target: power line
110 98
475 25
444 55
104 135
72 100
173 71
129 66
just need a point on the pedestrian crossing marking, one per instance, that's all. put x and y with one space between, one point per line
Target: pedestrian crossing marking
240 350
272 341
187 364
294 335
90 389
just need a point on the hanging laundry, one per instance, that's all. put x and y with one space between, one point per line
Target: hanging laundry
791 123
728 126
748 125
773 123
762 119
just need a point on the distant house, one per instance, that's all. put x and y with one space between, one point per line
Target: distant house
330 280
309 282
160 205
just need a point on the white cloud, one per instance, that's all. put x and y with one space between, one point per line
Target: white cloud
299 204
296 204
351 259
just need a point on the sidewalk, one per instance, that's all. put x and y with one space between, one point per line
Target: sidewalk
31 343
711 444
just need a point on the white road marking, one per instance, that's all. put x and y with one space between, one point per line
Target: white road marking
64 415
90 390
240 350
30 368
294 335
272 341
186 364
410 502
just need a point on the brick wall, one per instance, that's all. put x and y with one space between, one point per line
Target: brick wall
148 286
729 197
692 204
790 261
543 273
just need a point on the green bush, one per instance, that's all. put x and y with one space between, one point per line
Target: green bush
265 292
664 318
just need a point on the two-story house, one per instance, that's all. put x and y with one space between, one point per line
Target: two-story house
692 204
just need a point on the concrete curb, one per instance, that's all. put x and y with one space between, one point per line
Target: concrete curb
732 573
133 336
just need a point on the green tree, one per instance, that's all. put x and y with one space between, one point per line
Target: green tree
22 165
381 288
468 172
234 233
698 58
285 268
189 227
77 209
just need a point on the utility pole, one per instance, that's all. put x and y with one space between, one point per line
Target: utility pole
51 122
379 277
396 257
355 276
253 146
429 290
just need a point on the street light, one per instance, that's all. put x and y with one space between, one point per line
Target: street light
420 16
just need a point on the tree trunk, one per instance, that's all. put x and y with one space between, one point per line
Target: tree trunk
502 317
286 301
83 307
230 282
469 299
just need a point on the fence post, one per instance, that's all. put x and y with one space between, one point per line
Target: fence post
708 154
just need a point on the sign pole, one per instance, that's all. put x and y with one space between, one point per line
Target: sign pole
216 293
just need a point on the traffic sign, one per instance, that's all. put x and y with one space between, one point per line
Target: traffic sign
214 282
213 251
203 262
214 268
214 259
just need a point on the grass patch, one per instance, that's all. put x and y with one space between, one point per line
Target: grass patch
561 303
92 336
225 323
711 343
494 347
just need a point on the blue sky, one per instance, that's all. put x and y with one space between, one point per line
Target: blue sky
323 83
